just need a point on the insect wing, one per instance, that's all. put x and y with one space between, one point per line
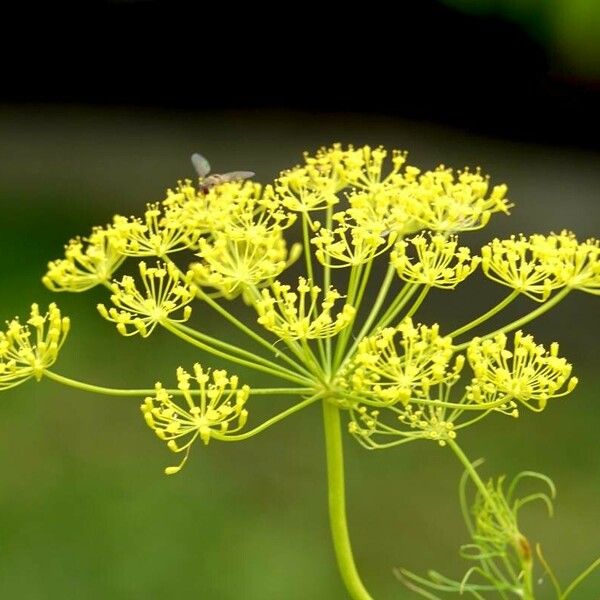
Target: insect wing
201 165
237 175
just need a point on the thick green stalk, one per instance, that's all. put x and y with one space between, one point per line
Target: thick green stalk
337 503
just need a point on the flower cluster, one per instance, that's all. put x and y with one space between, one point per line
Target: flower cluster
157 234
358 353
528 373
540 264
88 262
27 350
400 381
354 205
164 293
438 263
296 315
398 378
214 410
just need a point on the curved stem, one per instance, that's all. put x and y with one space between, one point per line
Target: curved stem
484 317
337 503
209 340
244 328
283 374
270 422
98 389
123 392
523 320
385 286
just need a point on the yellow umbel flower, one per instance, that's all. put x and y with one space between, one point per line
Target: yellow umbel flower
401 363
350 243
299 315
577 264
215 410
233 266
164 293
88 262
439 262
527 264
315 185
308 188
442 202
363 168
528 373
199 212
254 218
159 233
383 212
27 350
403 425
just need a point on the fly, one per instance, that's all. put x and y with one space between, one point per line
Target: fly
202 167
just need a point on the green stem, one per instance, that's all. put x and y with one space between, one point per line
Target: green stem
353 285
406 293
488 315
326 285
418 302
106 391
579 579
245 329
307 253
337 503
235 349
523 320
470 469
269 422
283 374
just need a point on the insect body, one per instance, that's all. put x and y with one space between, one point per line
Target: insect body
207 181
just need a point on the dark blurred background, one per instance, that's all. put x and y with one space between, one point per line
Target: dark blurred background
100 107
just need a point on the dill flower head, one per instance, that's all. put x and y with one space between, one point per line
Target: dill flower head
299 315
528 373
88 262
526 264
26 350
351 243
157 234
439 261
396 425
363 168
443 201
398 364
231 266
214 410
314 185
577 264
198 211
163 294
256 217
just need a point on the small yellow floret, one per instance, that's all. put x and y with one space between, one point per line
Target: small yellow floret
88 262
214 410
163 293
232 266
27 350
528 373
350 243
159 233
439 262
299 315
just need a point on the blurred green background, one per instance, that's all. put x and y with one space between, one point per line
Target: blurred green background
85 511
